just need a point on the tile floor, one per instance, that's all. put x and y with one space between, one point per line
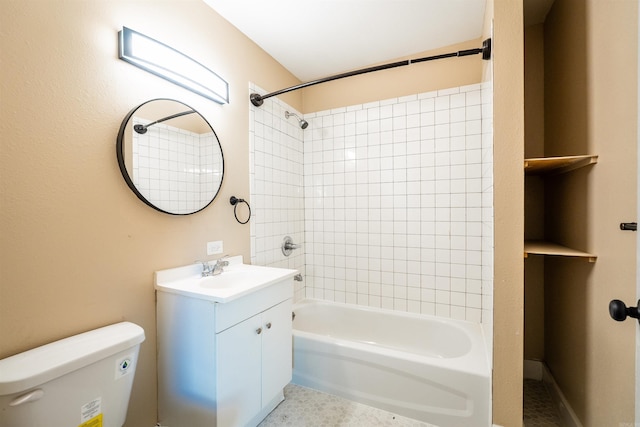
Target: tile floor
304 407
539 409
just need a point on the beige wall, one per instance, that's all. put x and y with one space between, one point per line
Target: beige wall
79 249
591 108
400 81
508 136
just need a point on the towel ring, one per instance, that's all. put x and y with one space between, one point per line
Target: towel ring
235 202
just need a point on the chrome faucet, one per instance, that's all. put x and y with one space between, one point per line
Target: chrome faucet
215 269
206 269
219 266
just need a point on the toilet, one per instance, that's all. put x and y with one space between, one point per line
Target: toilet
81 381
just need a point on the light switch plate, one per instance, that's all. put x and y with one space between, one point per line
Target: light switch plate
214 248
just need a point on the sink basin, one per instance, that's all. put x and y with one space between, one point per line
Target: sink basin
218 282
230 277
235 281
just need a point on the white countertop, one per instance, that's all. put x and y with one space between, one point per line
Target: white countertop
237 280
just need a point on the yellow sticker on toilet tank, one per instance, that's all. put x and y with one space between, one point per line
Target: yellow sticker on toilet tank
90 411
93 422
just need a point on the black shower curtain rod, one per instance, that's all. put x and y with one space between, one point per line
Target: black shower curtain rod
258 100
143 128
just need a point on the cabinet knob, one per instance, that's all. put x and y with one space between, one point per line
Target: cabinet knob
269 325
259 331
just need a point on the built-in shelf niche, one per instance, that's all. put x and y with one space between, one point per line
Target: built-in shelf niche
554 166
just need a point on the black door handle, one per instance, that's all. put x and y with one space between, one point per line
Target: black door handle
619 311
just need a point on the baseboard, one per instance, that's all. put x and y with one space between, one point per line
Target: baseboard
537 370
569 417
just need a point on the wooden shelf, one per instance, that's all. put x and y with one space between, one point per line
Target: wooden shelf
536 247
556 165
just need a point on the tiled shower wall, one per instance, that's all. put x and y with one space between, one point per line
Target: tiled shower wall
397 200
277 186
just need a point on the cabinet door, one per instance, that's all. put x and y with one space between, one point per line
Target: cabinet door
276 350
239 372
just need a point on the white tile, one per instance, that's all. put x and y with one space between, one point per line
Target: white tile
443 310
413 106
427 95
471 87
427 105
408 98
442 117
448 91
457 115
458 299
400 109
442 103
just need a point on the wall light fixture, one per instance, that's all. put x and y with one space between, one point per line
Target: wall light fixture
172 65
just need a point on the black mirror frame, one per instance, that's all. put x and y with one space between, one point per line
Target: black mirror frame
125 173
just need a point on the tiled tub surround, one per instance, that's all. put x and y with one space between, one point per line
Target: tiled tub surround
277 186
175 167
398 204
396 207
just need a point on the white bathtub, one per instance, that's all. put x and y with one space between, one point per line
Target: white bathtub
424 367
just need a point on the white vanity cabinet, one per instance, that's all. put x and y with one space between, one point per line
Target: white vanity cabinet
254 364
223 364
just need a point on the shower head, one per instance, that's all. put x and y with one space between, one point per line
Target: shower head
302 122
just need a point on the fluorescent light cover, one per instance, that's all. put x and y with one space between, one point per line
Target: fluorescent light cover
174 66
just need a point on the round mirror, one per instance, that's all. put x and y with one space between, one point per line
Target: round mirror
170 157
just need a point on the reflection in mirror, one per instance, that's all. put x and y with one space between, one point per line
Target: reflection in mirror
170 157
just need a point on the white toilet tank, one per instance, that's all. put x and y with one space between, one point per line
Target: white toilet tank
81 381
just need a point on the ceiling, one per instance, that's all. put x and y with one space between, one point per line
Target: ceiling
319 38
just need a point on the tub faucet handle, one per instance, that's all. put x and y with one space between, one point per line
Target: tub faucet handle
288 246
